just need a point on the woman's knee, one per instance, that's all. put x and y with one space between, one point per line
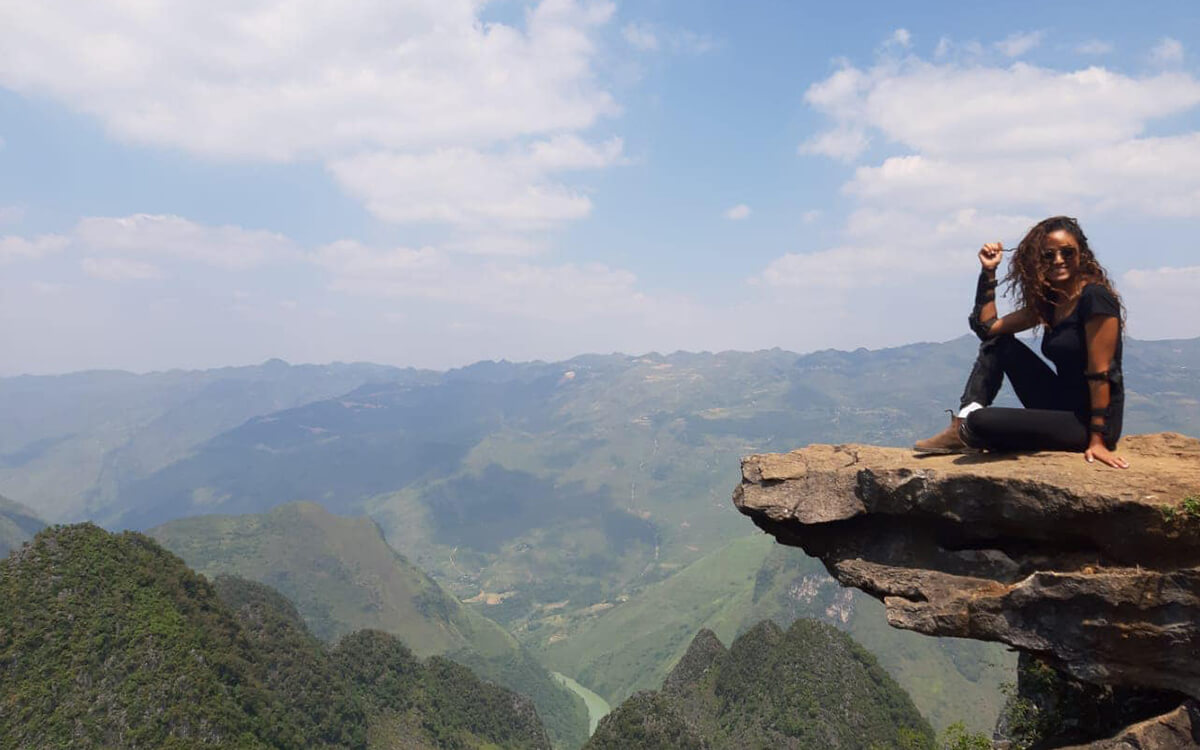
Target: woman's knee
998 343
980 421
977 427
989 427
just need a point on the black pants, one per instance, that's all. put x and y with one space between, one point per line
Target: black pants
1055 417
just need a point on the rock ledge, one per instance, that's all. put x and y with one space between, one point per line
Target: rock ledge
1096 571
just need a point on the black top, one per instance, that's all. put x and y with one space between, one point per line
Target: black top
1065 344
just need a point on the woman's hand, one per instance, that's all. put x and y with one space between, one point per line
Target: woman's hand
1098 451
990 256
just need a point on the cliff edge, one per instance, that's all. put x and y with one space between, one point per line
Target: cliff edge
1093 571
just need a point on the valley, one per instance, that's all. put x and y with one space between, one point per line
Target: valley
576 513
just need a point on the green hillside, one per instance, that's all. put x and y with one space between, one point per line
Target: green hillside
18 524
111 641
949 679
343 577
318 698
632 646
69 443
809 686
647 720
100 641
371 689
340 573
441 703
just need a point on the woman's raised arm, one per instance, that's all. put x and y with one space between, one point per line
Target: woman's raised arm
1014 322
983 319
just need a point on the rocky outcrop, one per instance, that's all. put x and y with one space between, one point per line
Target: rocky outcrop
1093 570
1050 709
1171 731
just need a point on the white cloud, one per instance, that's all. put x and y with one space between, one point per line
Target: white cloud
13 248
119 269
839 96
940 109
1019 43
348 259
569 152
382 92
646 38
1167 52
886 247
1162 302
845 144
284 79
1184 279
900 38
640 36
810 216
456 186
949 48
738 212
165 237
549 292
143 247
441 308
1139 177
495 243
112 245
511 191
1094 47
839 268
973 135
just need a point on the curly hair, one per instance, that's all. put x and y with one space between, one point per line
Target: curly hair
1026 279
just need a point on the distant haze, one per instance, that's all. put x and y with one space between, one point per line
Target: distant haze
435 183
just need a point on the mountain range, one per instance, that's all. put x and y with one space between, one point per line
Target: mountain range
69 443
583 505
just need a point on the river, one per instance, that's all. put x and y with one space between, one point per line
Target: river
597 707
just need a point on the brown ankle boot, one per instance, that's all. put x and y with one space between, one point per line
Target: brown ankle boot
948 440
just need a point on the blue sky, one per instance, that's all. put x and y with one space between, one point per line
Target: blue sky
433 182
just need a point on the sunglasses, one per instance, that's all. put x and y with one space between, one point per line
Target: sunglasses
1066 252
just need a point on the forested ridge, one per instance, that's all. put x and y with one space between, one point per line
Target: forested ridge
342 577
809 686
111 641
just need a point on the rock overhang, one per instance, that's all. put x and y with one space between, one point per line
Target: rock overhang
1093 569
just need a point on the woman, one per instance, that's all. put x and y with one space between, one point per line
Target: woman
1078 408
